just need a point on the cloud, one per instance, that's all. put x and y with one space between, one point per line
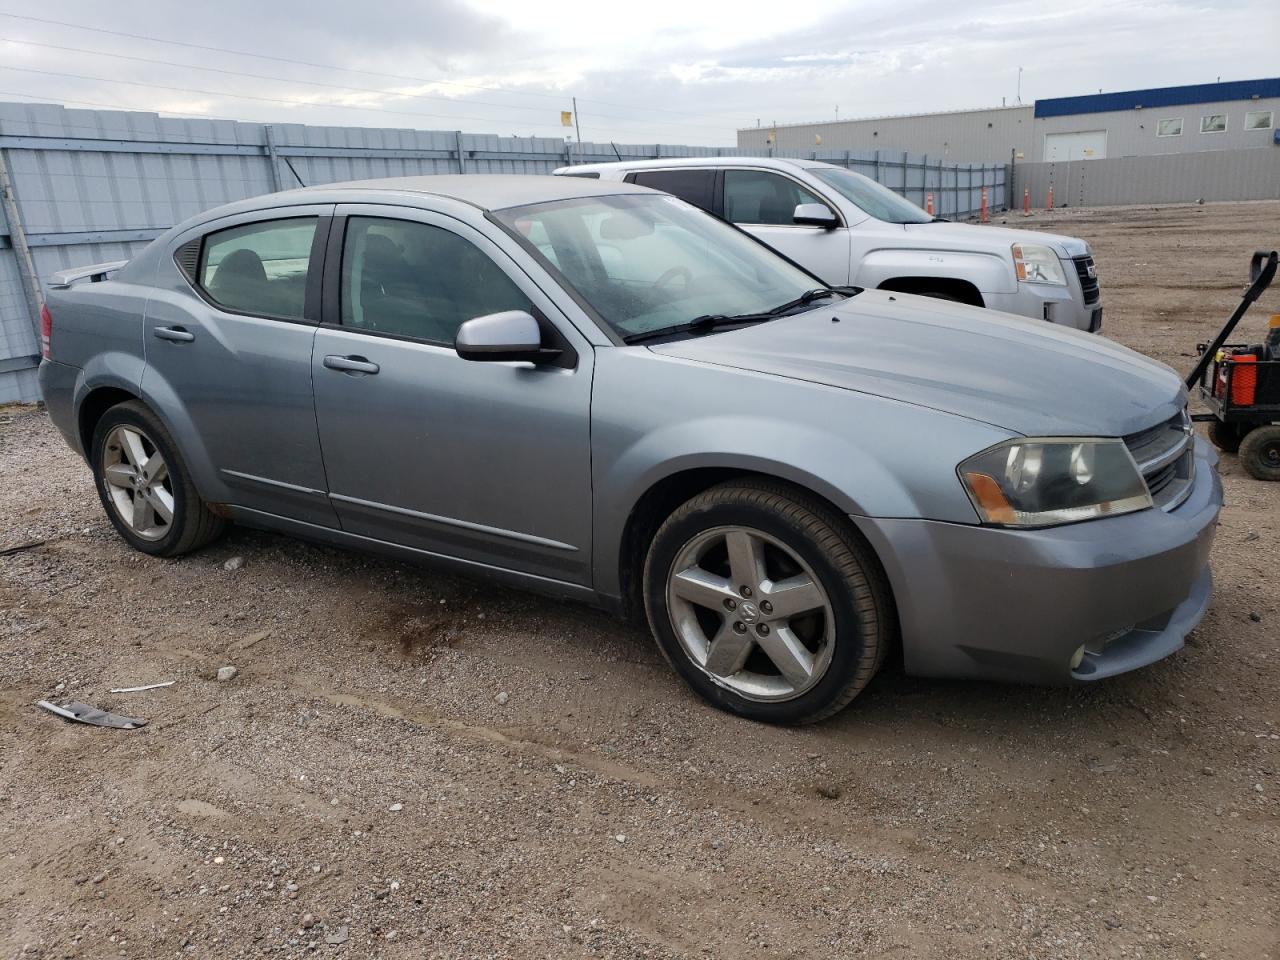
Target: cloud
672 72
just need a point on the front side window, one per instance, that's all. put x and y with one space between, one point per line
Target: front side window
1169 128
1259 120
692 186
645 262
259 268
411 279
873 199
1214 123
759 197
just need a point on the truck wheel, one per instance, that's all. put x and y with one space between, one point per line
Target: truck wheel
1260 452
1225 436
767 602
144 485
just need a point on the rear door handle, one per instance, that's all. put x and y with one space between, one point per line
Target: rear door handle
351 364
174 334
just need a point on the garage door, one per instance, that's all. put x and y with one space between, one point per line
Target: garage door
1083 145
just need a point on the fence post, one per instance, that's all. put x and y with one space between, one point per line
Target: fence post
272 157
879 173
21 252
848 159
462 158
924 175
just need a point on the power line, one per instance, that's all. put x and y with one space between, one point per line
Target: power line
331 86
249 96
332 66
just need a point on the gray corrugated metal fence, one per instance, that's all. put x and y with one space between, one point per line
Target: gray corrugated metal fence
97 185
1173 178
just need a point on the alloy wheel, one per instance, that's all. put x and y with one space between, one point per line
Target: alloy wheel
137 482
750 613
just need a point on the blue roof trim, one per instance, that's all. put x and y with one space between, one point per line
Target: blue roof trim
1159 97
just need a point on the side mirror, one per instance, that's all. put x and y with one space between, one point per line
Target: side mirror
815 215
510 335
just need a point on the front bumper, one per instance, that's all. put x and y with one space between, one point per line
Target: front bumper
1017 604
1062 305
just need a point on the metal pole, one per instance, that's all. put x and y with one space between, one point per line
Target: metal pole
577 129
273 157
22 252
462 160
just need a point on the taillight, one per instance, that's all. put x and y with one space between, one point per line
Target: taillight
46 332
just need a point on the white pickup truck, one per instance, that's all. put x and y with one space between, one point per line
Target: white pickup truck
848 229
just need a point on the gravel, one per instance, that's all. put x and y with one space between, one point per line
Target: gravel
602 810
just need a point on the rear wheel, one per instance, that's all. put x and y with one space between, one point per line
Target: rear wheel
1260 452
144 485
1225 436
767 603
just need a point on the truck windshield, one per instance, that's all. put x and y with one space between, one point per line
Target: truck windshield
645 262
870 197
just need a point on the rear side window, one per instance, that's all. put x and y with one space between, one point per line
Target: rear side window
411 279
692 186
259 268
754 196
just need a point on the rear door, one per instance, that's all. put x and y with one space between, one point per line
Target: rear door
229 346
485 462
763 203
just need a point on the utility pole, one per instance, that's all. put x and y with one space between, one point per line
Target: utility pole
577 130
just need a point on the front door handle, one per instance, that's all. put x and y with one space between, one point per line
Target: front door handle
174 334
351 364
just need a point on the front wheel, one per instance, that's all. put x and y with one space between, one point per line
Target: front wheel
144 485
1260 452
1225 436
767 602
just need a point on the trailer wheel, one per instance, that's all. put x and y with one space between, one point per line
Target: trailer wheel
1225 436
1260 452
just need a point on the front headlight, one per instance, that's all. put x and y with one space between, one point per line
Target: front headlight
1036 264
1043 482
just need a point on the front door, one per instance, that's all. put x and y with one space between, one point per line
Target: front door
228 343
764 203
485 462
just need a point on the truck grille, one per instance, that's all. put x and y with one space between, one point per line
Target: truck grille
1087 273
1165 456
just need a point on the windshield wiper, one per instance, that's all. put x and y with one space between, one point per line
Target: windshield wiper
703 324
713 321
809 296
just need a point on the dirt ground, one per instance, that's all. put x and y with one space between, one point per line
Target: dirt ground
412 765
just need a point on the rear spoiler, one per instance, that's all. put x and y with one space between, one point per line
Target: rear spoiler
93 273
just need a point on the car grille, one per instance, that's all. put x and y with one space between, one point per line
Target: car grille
1088 284
1165 456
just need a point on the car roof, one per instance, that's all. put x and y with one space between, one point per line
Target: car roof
666 163
489 191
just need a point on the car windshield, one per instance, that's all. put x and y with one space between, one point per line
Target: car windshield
870 197
647 262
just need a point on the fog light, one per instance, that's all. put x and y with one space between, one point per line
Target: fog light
1077 658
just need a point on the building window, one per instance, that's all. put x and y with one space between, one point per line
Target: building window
1258 120
1169 128
1214 123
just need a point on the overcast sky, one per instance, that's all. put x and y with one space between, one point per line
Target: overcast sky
669 71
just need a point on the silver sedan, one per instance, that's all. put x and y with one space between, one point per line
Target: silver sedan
600 392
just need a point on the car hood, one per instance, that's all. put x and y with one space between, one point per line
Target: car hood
971 235
1025 376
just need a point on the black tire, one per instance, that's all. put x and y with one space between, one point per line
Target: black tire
865 622
1260 452
192 525
1225 436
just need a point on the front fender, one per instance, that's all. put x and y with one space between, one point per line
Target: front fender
867 455
986 271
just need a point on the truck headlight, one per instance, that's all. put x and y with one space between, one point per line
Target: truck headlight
1050 481
1037 264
